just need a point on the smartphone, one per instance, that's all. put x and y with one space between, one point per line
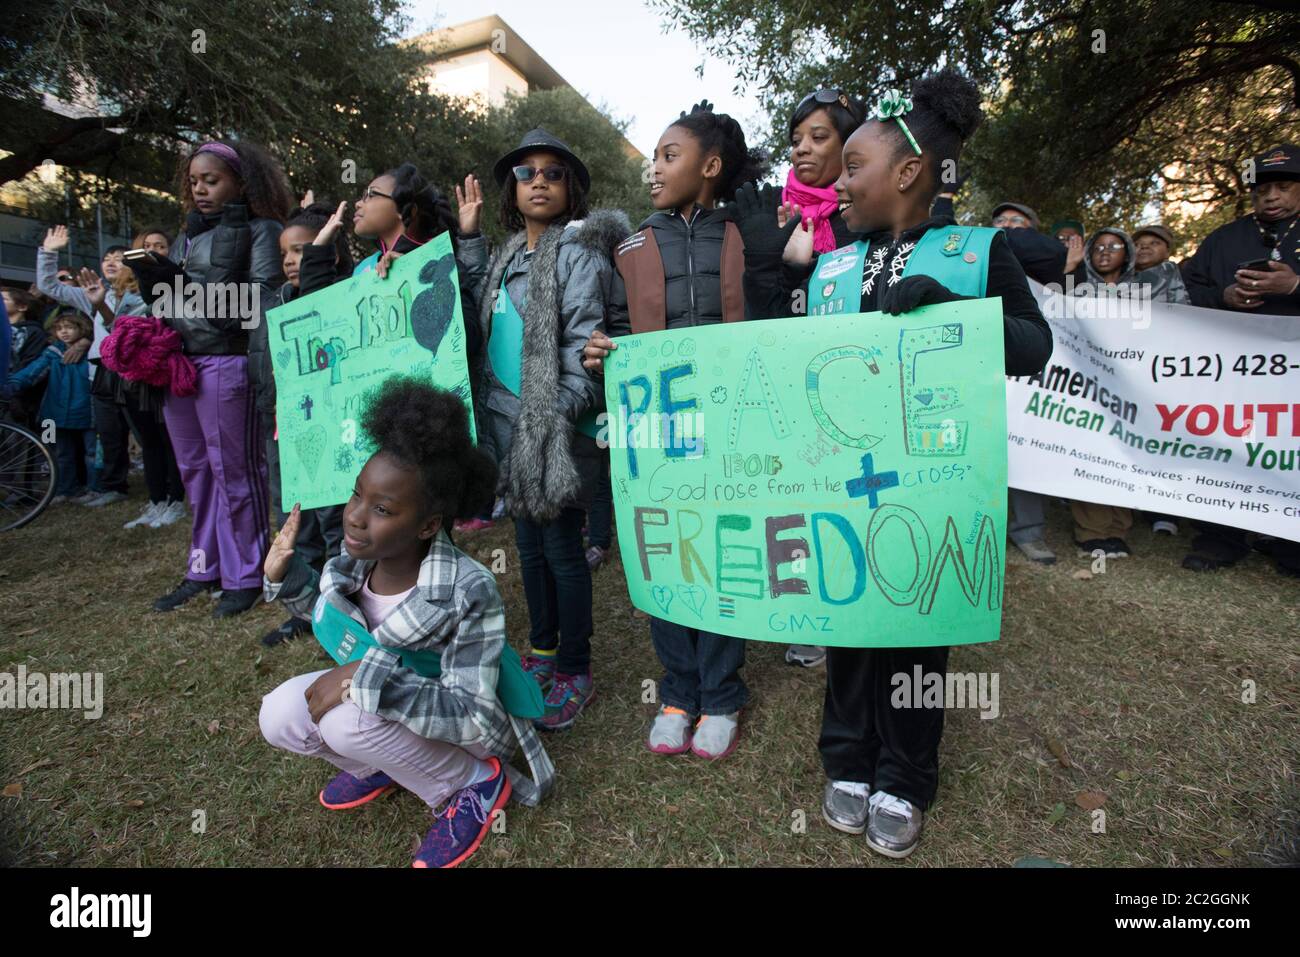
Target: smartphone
1259 265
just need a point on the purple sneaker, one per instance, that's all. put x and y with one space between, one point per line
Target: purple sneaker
460 827
565 701
346 792
541 668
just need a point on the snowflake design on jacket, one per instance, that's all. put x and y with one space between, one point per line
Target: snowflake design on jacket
872 268
899 262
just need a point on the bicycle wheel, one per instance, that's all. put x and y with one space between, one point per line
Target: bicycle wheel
27 476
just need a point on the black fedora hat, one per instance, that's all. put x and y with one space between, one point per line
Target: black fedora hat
534 141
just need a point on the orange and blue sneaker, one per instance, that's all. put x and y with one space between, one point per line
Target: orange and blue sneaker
569 694
460 826
346 792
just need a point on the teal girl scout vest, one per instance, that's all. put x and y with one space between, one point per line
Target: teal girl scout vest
347 640
956 256
506 353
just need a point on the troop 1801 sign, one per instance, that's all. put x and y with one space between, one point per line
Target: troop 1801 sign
830 480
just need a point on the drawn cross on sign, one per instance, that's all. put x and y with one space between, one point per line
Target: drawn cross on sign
306 405
871 484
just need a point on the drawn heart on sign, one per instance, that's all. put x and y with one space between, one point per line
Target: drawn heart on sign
310 444
693 597
282 358
663 596
435 307
925 398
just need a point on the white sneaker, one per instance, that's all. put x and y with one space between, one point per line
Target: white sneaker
147 516
716 736
167 514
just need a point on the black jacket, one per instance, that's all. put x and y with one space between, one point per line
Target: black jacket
1027 338
692 258
1212 268
223 248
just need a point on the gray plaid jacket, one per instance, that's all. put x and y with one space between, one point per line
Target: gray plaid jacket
456 609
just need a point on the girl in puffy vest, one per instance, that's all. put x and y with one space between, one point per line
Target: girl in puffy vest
544 295
883 762
686 268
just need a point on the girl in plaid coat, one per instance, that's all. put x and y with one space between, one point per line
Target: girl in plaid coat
381 724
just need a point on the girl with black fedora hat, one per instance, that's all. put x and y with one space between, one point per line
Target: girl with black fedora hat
543 296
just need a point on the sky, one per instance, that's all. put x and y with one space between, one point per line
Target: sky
638 73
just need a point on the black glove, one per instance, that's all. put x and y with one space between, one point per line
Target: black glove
914 291
754 212
704 106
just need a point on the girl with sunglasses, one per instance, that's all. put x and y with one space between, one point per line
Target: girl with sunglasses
543 297
686 268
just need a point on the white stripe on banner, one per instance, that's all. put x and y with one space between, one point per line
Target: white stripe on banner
1174 409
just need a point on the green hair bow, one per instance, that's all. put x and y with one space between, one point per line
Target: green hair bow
892 105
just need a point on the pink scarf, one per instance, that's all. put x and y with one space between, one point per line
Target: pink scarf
144 349
817 203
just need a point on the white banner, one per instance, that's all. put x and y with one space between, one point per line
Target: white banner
1173 409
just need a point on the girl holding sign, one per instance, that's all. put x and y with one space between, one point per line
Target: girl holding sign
685 268
543 297
882 760
236 196
426 699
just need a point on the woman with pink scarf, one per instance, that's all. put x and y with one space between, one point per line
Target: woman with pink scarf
818 128
821 123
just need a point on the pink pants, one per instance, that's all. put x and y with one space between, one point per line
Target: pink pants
362 744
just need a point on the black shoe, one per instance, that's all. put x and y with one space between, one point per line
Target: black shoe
290 630
186 590
1094 545
1204 563
236 601
1117 548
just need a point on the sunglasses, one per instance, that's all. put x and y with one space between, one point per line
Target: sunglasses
371 193
552 174
825 97
64 277
1108 247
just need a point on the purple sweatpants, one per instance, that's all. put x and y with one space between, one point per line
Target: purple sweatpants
220 453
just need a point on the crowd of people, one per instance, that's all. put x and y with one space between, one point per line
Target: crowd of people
542 311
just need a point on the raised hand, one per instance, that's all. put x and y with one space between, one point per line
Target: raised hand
469 204
94 287
1073 253
331 227
756 216
308 198
280 554
56 237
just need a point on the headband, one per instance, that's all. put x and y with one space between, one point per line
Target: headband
226 153
892 106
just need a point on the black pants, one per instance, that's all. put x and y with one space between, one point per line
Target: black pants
557 584
161 475
600 516
112 429
865 738
1221 542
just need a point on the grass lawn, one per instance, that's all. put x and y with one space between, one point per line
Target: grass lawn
1128 684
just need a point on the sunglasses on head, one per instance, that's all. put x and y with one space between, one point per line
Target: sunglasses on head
825 97
526 174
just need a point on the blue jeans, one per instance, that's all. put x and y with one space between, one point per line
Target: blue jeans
557 584
701 669
69 446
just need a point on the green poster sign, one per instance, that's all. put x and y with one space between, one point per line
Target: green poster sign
331 348
833 480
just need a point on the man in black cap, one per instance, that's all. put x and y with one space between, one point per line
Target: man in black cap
1252 264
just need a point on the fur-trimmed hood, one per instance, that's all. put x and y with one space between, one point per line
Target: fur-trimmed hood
559 290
